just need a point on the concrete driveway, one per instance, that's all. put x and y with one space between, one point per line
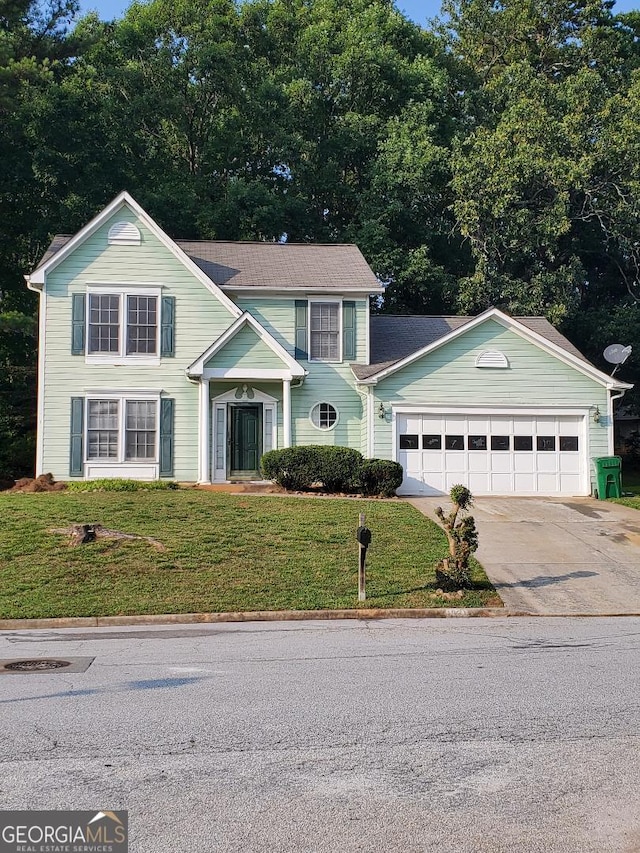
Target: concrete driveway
564 556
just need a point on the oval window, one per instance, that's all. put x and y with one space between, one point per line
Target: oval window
324 416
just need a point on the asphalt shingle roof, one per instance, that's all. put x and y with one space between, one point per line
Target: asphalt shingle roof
279 266
394 337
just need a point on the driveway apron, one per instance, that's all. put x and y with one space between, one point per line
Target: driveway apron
557 555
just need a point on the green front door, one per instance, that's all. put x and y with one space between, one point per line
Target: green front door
245 439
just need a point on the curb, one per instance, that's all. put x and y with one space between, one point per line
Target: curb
362 614
260 616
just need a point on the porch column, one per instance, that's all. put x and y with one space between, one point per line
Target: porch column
205 409
286 412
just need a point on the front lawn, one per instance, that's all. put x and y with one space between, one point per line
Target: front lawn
223 553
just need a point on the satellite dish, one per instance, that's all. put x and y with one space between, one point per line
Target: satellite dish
617 353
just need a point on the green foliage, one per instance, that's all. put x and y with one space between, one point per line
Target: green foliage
299 468
120 484
453 572
380 477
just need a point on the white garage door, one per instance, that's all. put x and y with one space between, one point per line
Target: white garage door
492 454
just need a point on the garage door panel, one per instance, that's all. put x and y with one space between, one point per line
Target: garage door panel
456 461
524 426
524 463
548 483
478 482
501 462
478 461
501 484
547 462
569 464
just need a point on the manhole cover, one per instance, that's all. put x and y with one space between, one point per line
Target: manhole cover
36 665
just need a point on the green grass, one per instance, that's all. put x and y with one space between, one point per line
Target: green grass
223 553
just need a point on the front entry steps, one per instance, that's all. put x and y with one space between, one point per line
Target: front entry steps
259 487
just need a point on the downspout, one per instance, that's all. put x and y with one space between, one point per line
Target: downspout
613 397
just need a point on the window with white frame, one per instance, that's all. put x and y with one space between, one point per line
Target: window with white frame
122 430
324 416
120 321
324 331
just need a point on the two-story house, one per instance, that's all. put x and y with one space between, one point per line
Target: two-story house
188 360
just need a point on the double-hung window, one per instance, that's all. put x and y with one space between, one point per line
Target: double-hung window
122 325
122 430
324 331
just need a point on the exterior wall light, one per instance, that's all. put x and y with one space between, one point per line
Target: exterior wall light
596 416
381 412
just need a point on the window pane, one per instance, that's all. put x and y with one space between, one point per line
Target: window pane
140 429
325 330
142 324
104 323
454 442
408 442
431 442
569 442
523 442
500 442
102 429
477 442
546 442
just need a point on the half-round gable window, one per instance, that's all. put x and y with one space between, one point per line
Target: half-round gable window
492 358
124 234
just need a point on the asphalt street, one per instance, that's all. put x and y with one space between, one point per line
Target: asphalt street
394 735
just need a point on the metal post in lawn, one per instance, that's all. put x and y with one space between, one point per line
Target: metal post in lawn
363 536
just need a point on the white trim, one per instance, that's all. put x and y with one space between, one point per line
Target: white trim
230 397
516 327
197 367
222 403
320 428
42 330
300 292
286 412
123 292
499 409
204 475
367 332
328 301
122 399
370 415
245 374
121 200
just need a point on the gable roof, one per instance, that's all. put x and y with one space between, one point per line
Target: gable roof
310 267
62 246
197 367
399 340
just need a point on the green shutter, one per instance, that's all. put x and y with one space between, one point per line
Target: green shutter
348 331
76 455
78 321
301 329
166 437
167 329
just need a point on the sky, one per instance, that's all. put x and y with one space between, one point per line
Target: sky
418 10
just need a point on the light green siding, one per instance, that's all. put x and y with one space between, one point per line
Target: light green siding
448 377
200 319
246 349
327 383
277 316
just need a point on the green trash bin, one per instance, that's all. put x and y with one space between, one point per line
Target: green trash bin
608 477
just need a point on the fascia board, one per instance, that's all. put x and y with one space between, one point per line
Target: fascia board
301 291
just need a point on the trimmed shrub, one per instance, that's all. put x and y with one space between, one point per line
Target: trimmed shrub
298 468
380 477
120 484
